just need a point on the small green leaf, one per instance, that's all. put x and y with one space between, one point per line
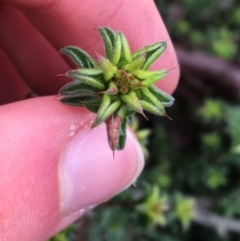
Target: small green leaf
92 105
79 57
144 75
71 101
152 53
76 88
108 37
77 100
122 135
76 74
152 108
90 72
136 64
105 103
155 77
109 69
117 49
103 115
150 97
132 100
166 99
126 52
111 34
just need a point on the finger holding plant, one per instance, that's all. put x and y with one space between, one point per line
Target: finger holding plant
120 85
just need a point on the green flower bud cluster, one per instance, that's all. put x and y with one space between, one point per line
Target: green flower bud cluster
118 86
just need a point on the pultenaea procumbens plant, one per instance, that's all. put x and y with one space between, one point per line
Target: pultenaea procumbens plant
118 86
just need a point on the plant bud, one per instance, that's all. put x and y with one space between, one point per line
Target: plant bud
148 96
126 52
136 64
117 49
108 39
132 100
152 108
79 57
112 89
108 68
75 74
155 78
103 115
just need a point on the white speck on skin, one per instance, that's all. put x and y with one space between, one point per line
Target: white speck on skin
73 129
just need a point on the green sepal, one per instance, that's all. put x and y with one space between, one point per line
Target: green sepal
129 111
103 115
132 100
121 115
109 69
136 64
92 105
166 99
145 74
90 72
122 134
108 37
155 77
117 49
152 108
79 57
77 88
74 101
76 75
126 52
152 53
105 103
148 96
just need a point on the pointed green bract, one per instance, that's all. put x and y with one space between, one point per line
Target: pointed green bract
109 69
117 49
111 34
78 100
103 115
107 36
150 49
92 105
132 100
79 57
126 52
136 64
152 108
150 59
75 74
122 134
90 72
118 86
153 52
155 78
77 88
143 74
166 99
151 98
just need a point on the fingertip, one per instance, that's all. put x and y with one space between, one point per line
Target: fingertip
62 167
88 169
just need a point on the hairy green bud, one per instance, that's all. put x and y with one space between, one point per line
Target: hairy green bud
118 86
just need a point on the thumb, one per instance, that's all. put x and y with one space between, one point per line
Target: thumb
53 169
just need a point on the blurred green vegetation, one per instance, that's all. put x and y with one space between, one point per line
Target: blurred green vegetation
211 26
193 162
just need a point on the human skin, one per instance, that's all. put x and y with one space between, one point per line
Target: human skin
52 169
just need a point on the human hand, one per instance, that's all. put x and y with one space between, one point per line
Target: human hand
52 169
